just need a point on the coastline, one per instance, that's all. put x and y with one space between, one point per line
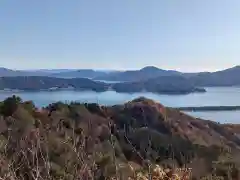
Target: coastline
55 89
209 108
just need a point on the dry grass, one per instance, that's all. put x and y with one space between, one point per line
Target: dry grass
88 142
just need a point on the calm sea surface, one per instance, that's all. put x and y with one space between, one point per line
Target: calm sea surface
224 96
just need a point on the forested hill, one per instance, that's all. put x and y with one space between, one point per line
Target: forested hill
175 84
46 83
166 85
131 141
228 77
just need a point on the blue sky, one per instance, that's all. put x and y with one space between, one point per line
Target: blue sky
187 35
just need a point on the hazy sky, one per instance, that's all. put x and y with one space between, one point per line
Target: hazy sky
187 35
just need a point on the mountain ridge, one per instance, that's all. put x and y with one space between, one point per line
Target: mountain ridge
137 75
81 73
226 77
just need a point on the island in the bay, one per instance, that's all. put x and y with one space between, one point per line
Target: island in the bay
148 79
165 85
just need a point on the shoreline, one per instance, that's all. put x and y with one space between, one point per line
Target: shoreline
170 93
208 108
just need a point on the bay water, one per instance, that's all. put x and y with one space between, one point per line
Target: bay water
220 96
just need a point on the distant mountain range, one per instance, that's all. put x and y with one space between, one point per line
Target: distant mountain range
83 73
61 73
137 75
4 72
227 77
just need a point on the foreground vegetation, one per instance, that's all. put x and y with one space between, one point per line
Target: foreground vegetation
140 140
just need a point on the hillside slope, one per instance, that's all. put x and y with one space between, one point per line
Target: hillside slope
227 77
124 141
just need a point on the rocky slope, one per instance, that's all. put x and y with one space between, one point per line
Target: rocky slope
137 140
